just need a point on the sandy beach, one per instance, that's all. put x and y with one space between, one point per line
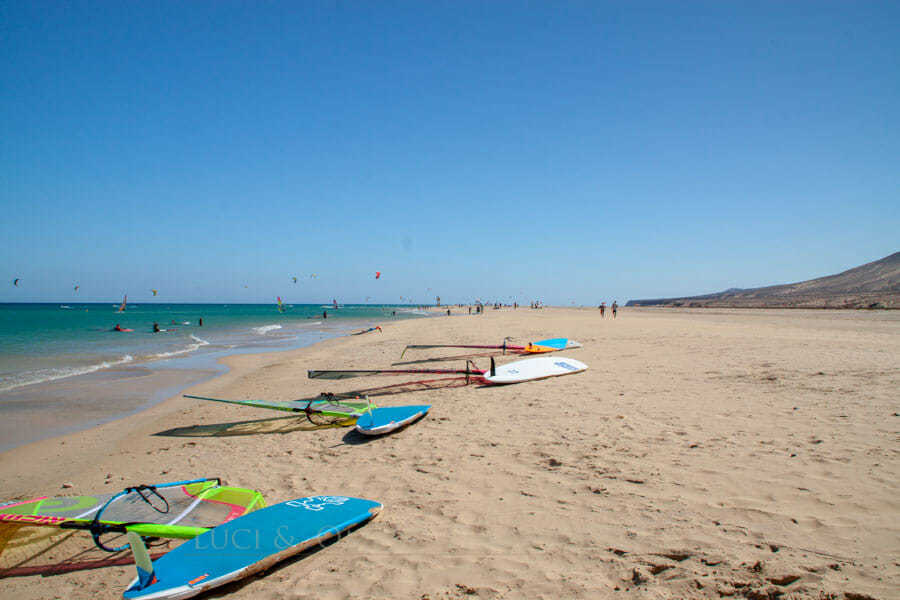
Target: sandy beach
705 454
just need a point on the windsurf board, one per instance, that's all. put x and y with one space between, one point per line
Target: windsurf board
379 421
246 545
534 368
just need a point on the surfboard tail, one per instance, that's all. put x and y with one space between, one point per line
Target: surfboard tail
146 576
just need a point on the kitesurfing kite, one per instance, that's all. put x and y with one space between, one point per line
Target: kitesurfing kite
377 274
295 279
16 282
154 292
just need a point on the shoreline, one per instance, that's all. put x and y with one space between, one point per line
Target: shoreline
41 407
671 468
231 366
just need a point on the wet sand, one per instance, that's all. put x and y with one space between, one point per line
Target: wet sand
705 454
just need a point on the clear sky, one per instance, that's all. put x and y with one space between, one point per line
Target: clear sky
565 151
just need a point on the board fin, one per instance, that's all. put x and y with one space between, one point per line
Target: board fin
146 576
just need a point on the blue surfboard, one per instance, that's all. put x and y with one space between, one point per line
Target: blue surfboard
379 421
246 545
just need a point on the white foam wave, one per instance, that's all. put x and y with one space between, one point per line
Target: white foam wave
190 348
45 375
266 329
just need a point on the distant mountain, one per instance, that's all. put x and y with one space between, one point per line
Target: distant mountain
872 285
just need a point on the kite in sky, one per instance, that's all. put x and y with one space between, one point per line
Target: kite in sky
295 279
154 292
16 282
377 274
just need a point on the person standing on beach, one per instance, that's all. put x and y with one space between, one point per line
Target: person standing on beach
602 309
200 321
324 314
615 308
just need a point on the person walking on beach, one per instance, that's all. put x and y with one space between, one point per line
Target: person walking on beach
324 314
602 309
615 308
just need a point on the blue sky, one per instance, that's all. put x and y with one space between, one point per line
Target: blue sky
564 151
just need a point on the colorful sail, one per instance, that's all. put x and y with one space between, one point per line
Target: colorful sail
350 373
332 407
176 510
124 302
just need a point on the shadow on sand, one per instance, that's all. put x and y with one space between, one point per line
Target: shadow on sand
274 425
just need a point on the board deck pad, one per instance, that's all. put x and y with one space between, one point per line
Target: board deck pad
252 543
389 418
531 369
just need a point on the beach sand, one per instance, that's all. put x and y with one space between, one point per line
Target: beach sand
705 453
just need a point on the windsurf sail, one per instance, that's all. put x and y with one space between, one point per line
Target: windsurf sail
548 345
326 408
280 304
177 510
376 328
350 373
124 302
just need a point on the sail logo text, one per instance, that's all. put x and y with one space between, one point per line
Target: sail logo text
565 365
317 503
36 519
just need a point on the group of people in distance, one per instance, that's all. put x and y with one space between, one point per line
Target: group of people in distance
614 307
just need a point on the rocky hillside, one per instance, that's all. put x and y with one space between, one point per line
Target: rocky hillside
872 285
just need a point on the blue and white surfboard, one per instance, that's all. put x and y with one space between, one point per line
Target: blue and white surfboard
379 421
246 545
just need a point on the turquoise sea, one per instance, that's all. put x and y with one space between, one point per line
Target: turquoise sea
46 342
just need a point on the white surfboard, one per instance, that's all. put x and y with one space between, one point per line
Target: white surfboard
534 368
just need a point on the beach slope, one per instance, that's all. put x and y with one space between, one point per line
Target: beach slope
704 454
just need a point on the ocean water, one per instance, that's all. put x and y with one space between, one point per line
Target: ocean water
47 342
